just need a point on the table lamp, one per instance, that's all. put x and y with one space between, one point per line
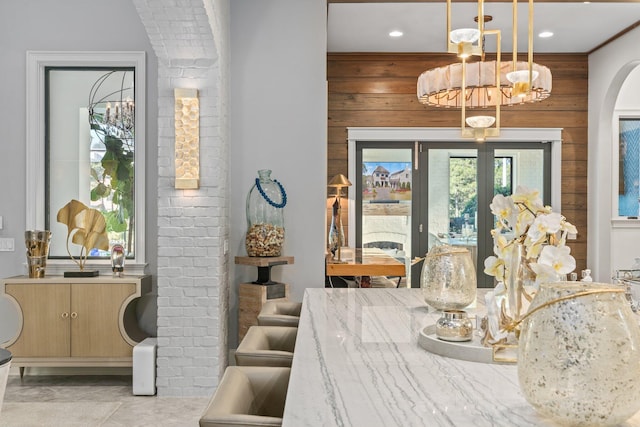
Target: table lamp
339 181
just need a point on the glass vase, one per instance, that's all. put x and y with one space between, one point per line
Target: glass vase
448 278
579 354
517 276
265 216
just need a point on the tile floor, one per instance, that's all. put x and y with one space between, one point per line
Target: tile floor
91 401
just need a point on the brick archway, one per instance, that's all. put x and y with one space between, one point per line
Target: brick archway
190 39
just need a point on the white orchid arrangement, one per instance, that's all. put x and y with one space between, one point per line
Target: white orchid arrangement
523 219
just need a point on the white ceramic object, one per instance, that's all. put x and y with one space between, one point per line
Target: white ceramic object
579 358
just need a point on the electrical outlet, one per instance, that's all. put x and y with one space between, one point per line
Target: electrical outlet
7 244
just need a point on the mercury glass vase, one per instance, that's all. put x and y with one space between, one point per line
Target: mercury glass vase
579 354
448 279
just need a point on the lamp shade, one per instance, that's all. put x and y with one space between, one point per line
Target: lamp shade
464 35
521 76
442 87
339 181
480 122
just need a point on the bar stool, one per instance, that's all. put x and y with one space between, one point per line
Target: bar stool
248 396
280 313
267 346
5 363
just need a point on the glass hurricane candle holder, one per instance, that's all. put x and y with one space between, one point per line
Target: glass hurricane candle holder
448 279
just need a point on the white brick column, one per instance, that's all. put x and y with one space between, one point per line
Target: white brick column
190 39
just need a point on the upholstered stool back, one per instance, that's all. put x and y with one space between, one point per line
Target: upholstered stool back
248 396
280 313
267 346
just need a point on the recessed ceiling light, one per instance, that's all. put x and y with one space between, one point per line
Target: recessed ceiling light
586 2
545 34
396 33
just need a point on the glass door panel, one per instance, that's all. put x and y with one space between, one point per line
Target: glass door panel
515 167
453 199
385 190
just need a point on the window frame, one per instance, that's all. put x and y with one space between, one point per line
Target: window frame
615 164
36 164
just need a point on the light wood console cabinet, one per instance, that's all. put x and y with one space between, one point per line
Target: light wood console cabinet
75 321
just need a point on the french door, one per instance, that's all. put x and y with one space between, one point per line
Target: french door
385 207
412 196
460 181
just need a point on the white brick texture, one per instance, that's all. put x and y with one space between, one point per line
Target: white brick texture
190 39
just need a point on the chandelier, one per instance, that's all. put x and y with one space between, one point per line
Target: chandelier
112 112
485 84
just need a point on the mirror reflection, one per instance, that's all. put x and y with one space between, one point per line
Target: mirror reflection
90 151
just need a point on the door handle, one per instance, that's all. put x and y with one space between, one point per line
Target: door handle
65 315
74 315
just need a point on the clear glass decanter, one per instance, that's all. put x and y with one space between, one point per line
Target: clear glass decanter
265 216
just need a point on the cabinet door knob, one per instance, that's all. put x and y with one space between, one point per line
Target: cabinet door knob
74 315
65 315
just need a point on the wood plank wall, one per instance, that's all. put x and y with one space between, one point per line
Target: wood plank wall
380 90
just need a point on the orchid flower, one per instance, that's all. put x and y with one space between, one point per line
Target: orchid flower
494 266
558 258
504 209
529 198
544 224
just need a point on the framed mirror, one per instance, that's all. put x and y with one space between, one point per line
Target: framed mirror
85 142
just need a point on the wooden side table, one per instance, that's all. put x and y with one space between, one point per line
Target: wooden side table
252 296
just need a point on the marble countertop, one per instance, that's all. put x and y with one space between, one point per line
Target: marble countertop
357 362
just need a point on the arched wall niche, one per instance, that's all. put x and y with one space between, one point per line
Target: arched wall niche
624 232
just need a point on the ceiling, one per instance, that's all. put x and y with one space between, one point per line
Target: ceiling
577 26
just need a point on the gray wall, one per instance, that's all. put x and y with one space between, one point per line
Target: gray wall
69 25
279 122
278 118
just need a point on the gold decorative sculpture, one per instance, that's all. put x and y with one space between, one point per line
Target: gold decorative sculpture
85 227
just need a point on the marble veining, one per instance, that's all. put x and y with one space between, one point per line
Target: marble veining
357 362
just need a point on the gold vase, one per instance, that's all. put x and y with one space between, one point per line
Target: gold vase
37 243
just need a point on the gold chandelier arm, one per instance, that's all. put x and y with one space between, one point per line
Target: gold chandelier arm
448 26
464 94
498 74
515 35
481 27
530 52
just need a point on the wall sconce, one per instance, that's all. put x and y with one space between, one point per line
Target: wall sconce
187 146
